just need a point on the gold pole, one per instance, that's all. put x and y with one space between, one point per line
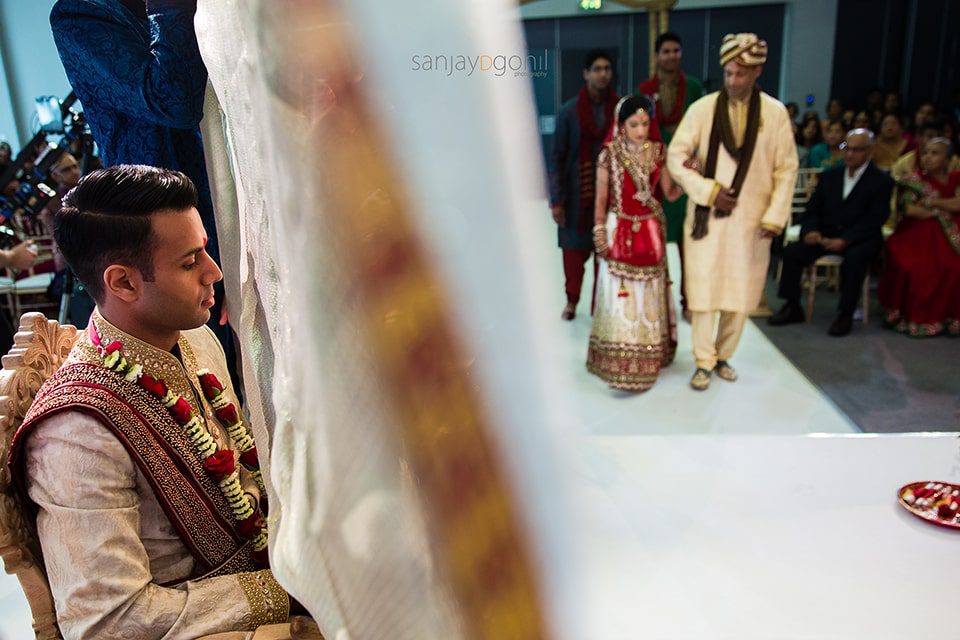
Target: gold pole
652 19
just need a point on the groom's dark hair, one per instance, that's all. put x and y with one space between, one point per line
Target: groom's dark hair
105 219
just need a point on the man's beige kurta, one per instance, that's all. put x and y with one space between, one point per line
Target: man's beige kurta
725 270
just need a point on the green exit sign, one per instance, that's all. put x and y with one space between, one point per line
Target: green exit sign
591 5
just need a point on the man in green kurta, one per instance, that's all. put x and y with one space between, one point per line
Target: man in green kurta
673 91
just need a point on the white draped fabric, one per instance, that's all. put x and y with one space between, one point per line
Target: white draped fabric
349 514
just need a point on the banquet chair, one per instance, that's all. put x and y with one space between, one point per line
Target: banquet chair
39 348
830 264
802 192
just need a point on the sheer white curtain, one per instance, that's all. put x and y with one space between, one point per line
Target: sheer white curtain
349 514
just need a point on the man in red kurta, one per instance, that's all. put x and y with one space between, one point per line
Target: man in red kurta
673 92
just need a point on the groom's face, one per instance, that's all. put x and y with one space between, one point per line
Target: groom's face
180 293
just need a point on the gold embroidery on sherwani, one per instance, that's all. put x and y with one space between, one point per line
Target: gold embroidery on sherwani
269 603
156 362
668 94
157 444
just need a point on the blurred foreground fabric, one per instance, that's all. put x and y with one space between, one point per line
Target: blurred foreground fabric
376 240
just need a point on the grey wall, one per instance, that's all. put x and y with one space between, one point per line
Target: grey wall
30 63
807 47
32 68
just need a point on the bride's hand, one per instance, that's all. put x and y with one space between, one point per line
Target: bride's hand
693 163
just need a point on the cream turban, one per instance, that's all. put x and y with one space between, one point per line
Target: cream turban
745 48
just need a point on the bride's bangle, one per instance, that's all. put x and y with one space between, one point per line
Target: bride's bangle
600 238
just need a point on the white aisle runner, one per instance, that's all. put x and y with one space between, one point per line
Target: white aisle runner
771 396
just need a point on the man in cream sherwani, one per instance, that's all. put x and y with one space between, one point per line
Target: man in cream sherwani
738 200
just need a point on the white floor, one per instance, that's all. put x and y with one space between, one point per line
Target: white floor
771 396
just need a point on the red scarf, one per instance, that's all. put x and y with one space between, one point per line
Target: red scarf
651 87
590 137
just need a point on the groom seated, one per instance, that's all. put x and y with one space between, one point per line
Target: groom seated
144 478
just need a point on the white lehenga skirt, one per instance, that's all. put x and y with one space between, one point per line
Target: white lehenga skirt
634 326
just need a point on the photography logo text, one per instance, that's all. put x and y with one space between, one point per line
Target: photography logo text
529 66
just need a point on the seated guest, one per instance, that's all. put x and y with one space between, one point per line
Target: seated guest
793 110
834 114
844 217
920 287
909 162
924 112
847 119
808 136
950 131
21 256
144 479
890 144
828 153
863 120
891 103
874 101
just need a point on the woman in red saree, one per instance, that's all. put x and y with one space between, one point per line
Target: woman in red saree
920 288
634 323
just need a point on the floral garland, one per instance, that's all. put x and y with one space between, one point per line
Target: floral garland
219 463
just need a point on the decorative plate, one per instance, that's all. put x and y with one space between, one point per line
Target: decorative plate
936 502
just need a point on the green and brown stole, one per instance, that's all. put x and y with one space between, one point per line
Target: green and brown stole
722 131
161 450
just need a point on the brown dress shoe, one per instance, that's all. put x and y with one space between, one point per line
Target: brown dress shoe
725 371
569 312
700 380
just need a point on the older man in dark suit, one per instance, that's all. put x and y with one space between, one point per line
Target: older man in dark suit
844 217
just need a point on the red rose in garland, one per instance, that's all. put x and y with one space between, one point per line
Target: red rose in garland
181 411
228 415
157 387
261 557
249 458
250 527
220 464
211 386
